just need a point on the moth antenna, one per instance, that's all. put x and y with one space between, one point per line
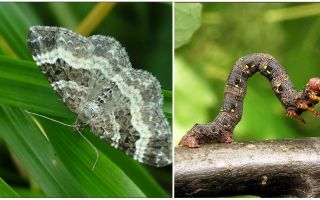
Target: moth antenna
95 149
48 118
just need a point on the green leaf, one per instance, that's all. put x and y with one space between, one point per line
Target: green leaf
24 86
36 154
29 193
191 109
14 24
59 161
187 19
225 36
6 190
167 105
63 14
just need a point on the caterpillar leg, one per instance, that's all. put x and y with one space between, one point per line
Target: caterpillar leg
194 137
314 97
190 140
305 106
307 99
204 134
226 138
296 116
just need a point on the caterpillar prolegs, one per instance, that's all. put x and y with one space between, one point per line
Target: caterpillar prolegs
295 103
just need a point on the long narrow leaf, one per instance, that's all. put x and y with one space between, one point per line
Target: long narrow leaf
66 170
13 27
6 190
36 154
23 84
24 87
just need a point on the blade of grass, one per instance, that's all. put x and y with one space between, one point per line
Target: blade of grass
137 171
19 82
167 104
63 14
29 14
107 180
292 13
11 176
94 18
14 25
45 160
29 193
6 48
22 82
6 190
36 154
23 85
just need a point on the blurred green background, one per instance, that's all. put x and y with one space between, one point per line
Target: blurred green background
210 37
39 158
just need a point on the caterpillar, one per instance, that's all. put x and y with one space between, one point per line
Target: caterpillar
295 103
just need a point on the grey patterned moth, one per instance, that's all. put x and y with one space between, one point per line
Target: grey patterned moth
94 78
295 103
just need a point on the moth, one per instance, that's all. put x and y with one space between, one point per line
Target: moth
95 79
295 103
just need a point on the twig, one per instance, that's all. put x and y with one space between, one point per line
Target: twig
271 168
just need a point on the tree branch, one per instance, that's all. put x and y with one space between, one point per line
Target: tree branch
271 168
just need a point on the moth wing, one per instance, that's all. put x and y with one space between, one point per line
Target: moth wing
82 69
57 52
144 132
154 144
118 131
139 129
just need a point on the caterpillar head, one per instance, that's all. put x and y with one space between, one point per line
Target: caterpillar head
314 85
307 100
312 91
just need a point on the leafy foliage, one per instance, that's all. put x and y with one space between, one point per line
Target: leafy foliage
289 32
6 190
187 20
50 159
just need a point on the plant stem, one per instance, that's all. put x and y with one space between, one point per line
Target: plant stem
271 168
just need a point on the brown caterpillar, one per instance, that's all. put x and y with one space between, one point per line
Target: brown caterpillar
230 114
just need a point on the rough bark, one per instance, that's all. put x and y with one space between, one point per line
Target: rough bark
271 168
